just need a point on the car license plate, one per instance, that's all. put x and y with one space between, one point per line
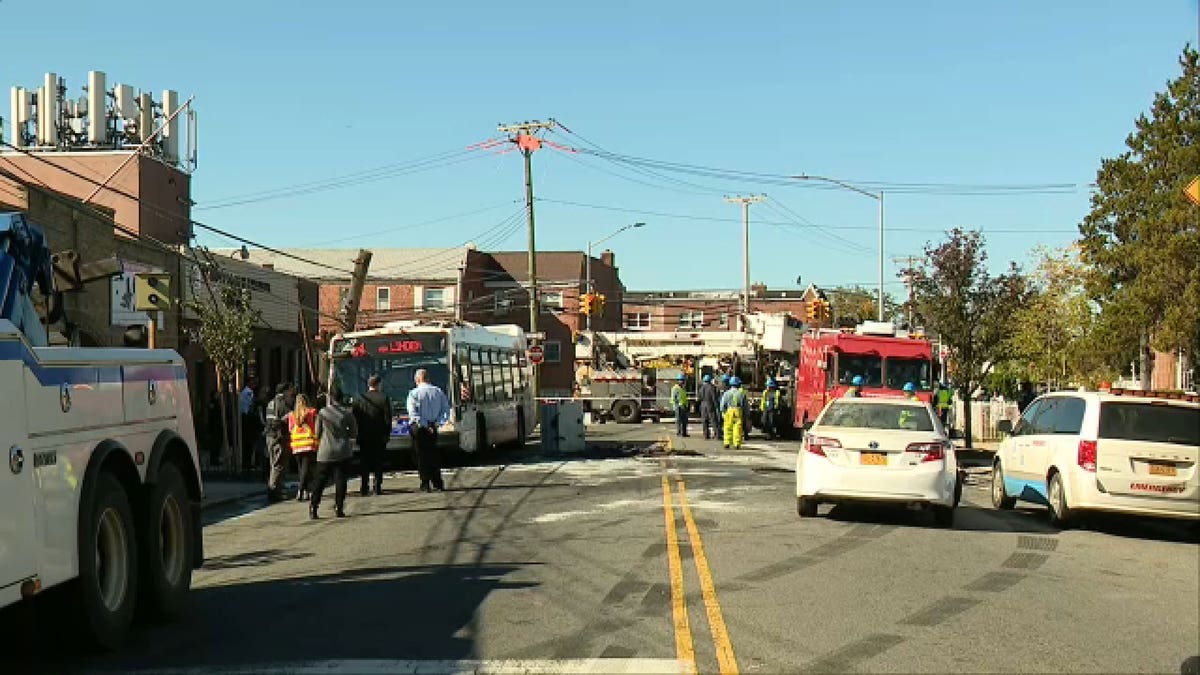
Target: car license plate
873 458
1162 469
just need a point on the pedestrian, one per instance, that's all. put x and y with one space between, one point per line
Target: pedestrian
336 431
1025 397
428 409
855 390
770 404
277 438
945 400
302 439
373 413
910 391
709 401
735 408
251 429
679 403
260 441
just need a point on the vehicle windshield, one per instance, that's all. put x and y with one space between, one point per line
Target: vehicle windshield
396 360
877 416
870 367
901 371
1150 422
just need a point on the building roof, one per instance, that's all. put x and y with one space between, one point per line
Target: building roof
552 265
409 264
715 295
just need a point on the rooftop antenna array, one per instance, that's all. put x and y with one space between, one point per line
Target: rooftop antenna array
47 119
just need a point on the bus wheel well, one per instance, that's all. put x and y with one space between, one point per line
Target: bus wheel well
176 452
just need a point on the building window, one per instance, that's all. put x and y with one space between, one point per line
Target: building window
723 320
502 303
553 351
434 298
552 301
383 298
691 319
637 321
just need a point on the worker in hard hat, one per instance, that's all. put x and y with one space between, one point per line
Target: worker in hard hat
910 391
679 403
944 397
770 405
735 408
856 385
710 401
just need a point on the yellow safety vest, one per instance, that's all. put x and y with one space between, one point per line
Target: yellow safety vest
679 396
303 437
768 394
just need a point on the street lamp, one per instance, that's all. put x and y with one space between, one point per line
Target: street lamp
877 196
588 265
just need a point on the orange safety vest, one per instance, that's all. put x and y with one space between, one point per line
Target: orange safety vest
303 437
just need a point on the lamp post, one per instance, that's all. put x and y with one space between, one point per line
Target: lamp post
877 196
588 264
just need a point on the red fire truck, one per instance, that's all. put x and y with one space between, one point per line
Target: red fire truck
884 358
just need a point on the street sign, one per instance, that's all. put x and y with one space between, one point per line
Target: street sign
1193 190
536 354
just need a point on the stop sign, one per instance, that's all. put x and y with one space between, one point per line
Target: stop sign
536 354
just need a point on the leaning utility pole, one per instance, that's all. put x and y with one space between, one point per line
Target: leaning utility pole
745 202
357 280
523 135
908 261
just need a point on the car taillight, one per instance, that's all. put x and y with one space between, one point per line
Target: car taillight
817 444
930 452
1087 455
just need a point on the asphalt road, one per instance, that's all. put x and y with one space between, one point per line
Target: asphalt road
543 564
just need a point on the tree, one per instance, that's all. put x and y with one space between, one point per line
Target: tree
853 305
226 334
967 307
1141 239
1052 335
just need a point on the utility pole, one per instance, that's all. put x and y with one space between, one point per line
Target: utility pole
523 135
908 261
357 280
745 202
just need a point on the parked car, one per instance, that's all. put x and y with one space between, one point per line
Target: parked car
1094 451
881 450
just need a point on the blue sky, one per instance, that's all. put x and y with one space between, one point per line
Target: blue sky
1022 92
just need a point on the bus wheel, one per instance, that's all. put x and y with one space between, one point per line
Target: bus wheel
626 412
108 564
167 545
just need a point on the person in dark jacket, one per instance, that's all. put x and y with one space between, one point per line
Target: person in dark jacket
278 438
336 431
710 400
373 413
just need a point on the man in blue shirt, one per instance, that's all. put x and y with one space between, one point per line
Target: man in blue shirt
428 409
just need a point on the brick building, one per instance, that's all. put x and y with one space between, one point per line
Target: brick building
707 310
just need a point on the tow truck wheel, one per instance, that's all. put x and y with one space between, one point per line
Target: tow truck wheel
108 563
626 412
167 546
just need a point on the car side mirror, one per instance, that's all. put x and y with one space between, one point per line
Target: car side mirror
1005 427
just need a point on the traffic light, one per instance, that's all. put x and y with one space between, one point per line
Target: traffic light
152 292
599 302
823 311
586 304
812 311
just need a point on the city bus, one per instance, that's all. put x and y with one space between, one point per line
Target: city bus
483 370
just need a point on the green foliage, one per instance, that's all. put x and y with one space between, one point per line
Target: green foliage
226 329
853 305
1053 333
1141 239
968 307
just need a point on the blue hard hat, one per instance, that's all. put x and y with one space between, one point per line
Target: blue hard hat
909 386
735 381
681 377
707 378
857 381
771 382
725 379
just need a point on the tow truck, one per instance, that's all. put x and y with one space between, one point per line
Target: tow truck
102 492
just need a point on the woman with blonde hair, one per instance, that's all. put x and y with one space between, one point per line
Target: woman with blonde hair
302 425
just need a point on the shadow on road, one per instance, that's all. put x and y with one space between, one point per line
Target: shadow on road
401 612
252 559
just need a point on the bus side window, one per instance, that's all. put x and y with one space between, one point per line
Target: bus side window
478 380
514 369
462 362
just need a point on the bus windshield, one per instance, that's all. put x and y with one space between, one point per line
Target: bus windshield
869 366
396 359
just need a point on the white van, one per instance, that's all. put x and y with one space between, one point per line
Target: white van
1128 452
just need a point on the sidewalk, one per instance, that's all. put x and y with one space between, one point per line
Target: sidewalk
218 492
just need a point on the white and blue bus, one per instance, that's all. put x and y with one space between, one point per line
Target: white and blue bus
483 370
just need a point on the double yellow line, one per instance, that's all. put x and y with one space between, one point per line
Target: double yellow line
684 646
